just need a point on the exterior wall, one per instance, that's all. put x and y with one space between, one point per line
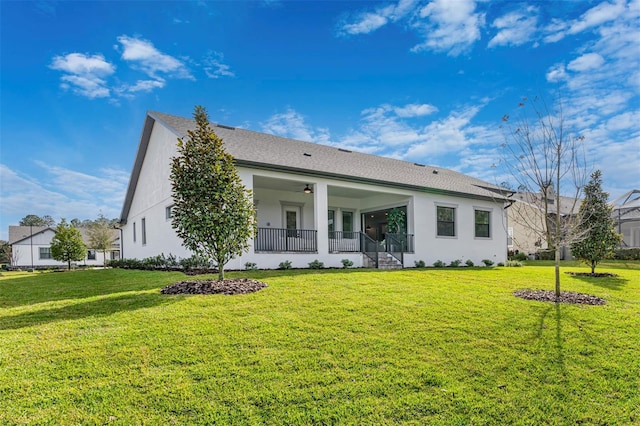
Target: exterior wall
153 196
528 231
630 233
464 246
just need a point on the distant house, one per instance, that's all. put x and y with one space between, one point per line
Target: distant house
321 202
526 231
626 213
31 246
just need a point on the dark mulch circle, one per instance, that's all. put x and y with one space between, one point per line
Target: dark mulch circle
565 297
229 287
594 275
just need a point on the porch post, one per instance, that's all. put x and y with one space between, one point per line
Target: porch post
321 216
246 176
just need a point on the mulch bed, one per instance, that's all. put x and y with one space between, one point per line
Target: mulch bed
228 287
594 275
565 297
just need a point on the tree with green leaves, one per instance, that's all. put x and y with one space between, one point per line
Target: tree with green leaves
213 212
5 252
35 220
67 245
596 232
100 235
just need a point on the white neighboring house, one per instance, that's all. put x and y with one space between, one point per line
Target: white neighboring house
320 202
626 213
31 246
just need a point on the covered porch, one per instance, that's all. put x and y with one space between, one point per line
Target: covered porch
307 216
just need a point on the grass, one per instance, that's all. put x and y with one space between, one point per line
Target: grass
430 346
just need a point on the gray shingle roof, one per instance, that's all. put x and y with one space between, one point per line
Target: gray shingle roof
19 233
263 150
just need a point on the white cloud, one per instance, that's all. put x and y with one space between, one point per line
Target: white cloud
84 74
415 110
451 27
142 55
556 73
586 62
214 67
367 22
291 124
515 28
598 15
144 86
61 192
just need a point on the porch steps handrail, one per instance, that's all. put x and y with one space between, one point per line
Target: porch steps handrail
370 248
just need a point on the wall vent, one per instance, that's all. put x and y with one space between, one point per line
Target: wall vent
222 126
307 154
344 150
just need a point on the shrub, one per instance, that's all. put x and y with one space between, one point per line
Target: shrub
545 254
469 263
500 264
513 263
455 263
439 264
195 262
627 254
285 265
250 266
487 262
519 256
316 264
346 263
420 264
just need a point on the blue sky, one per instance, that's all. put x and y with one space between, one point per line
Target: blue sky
425 81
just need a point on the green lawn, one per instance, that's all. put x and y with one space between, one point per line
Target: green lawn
432 346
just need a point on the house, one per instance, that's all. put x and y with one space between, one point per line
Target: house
626 213
526 218
31 247
317 202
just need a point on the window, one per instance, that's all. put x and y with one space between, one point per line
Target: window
510 237
446 221
482 223
168 212
143 224
91 255
134 232
331 214
45 253
347 224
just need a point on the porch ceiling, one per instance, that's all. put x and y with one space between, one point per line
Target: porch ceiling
291 185
265 182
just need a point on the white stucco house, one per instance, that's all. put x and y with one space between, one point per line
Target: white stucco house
31 246
317 202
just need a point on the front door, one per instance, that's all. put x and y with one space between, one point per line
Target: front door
292 220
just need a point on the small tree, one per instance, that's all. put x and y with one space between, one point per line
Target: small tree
545 158
213 212
67 244
100 236
596 229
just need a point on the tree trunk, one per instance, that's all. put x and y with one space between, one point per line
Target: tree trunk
557 271
69 264
593 267
220 270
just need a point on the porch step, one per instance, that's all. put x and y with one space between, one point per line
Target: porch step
385 261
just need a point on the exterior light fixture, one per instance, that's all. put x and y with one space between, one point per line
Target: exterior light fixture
307 190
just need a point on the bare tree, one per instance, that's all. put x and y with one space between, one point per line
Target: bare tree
546 160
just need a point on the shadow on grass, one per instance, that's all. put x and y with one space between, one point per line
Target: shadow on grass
55 286
96 308
611 283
